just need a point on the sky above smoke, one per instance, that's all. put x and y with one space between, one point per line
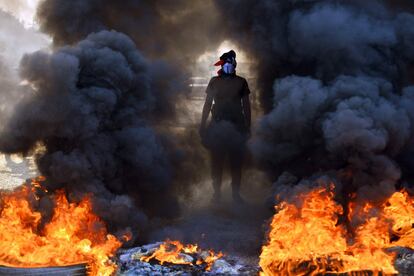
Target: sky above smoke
15 41
23 10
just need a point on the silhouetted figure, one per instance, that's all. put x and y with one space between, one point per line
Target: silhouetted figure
229 129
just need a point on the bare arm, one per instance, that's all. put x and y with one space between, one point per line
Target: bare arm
206 112
247 111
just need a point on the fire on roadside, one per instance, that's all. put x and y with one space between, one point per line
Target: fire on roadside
308 240
73 235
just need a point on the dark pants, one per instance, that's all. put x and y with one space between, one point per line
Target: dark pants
225 140
218 159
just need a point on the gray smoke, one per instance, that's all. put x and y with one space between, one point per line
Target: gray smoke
91 107
356 124
177 30
334 79
15 40
8 85
321 39
102 112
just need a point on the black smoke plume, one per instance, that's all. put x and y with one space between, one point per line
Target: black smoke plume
178 30
320 39
91 107
334 80
100 110
335 86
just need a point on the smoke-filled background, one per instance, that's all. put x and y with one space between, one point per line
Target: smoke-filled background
16 39
335 85
101 107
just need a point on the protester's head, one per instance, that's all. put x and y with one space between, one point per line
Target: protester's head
228 63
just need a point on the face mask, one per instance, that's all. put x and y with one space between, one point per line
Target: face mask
228 68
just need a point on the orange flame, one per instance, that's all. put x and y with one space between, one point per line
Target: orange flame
172 252
308 240
74 235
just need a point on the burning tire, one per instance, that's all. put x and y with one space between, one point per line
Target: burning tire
71 270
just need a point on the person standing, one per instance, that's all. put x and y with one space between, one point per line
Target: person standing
225 136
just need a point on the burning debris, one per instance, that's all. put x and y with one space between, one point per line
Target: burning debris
306 237
175 252
174 258
74 234
75 240
68 270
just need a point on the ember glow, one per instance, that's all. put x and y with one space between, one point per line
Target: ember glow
73 235
174 252
308 240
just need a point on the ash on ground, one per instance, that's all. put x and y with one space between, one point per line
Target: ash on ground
130 264
404 261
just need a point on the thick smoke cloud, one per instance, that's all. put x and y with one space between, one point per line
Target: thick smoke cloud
321 39
334 79
356 123
102 115
177 30
91 107
8 85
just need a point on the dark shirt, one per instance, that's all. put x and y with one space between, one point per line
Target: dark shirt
227 92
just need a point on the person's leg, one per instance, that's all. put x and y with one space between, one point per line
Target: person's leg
216 173
236 164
